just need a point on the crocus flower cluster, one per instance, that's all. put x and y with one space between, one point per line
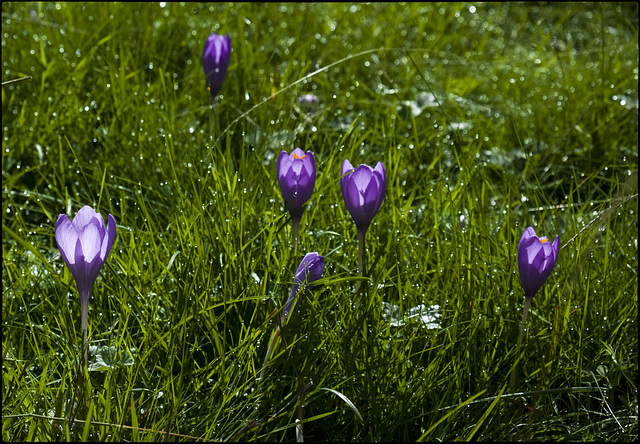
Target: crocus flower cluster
536 258
215 61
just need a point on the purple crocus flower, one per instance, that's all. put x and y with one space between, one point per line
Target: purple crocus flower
297 177
308 98
536 258
363 190
309 271
215 61
84 245
309 102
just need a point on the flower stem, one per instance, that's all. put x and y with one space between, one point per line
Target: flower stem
83 369
84 314
525 311
272 343
300 412
361 271
213 121
295 231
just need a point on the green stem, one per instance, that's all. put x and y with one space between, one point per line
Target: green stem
525 311
295 231
83 369
84 314
300 414
212 121
272 343
361 271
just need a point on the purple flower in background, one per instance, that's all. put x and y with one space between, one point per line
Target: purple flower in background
215 61
297 177
363 190
309 271
309 103
536 258
308 98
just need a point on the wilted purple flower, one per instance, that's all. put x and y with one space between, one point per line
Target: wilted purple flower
297 177
309 271
536 259
363 190
215 61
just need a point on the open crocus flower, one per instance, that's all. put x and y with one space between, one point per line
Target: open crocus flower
215 61
536 258
309 271
84 245
363 191
297 177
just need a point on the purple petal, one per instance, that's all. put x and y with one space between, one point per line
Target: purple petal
297 153
363 191
296 177
361 178
352 197
529 232
215 61
66 238
84 216
309 271
310 268
282 163
80 273
536 259
109 238
346 167
381 174
309 163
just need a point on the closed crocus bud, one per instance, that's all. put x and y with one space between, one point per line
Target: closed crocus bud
536 258
363 190
297 177
84 245
215 61
309 271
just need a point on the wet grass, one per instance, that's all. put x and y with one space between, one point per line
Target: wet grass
488 118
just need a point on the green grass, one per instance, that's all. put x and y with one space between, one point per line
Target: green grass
488 118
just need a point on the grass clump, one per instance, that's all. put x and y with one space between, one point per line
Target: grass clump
487 118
